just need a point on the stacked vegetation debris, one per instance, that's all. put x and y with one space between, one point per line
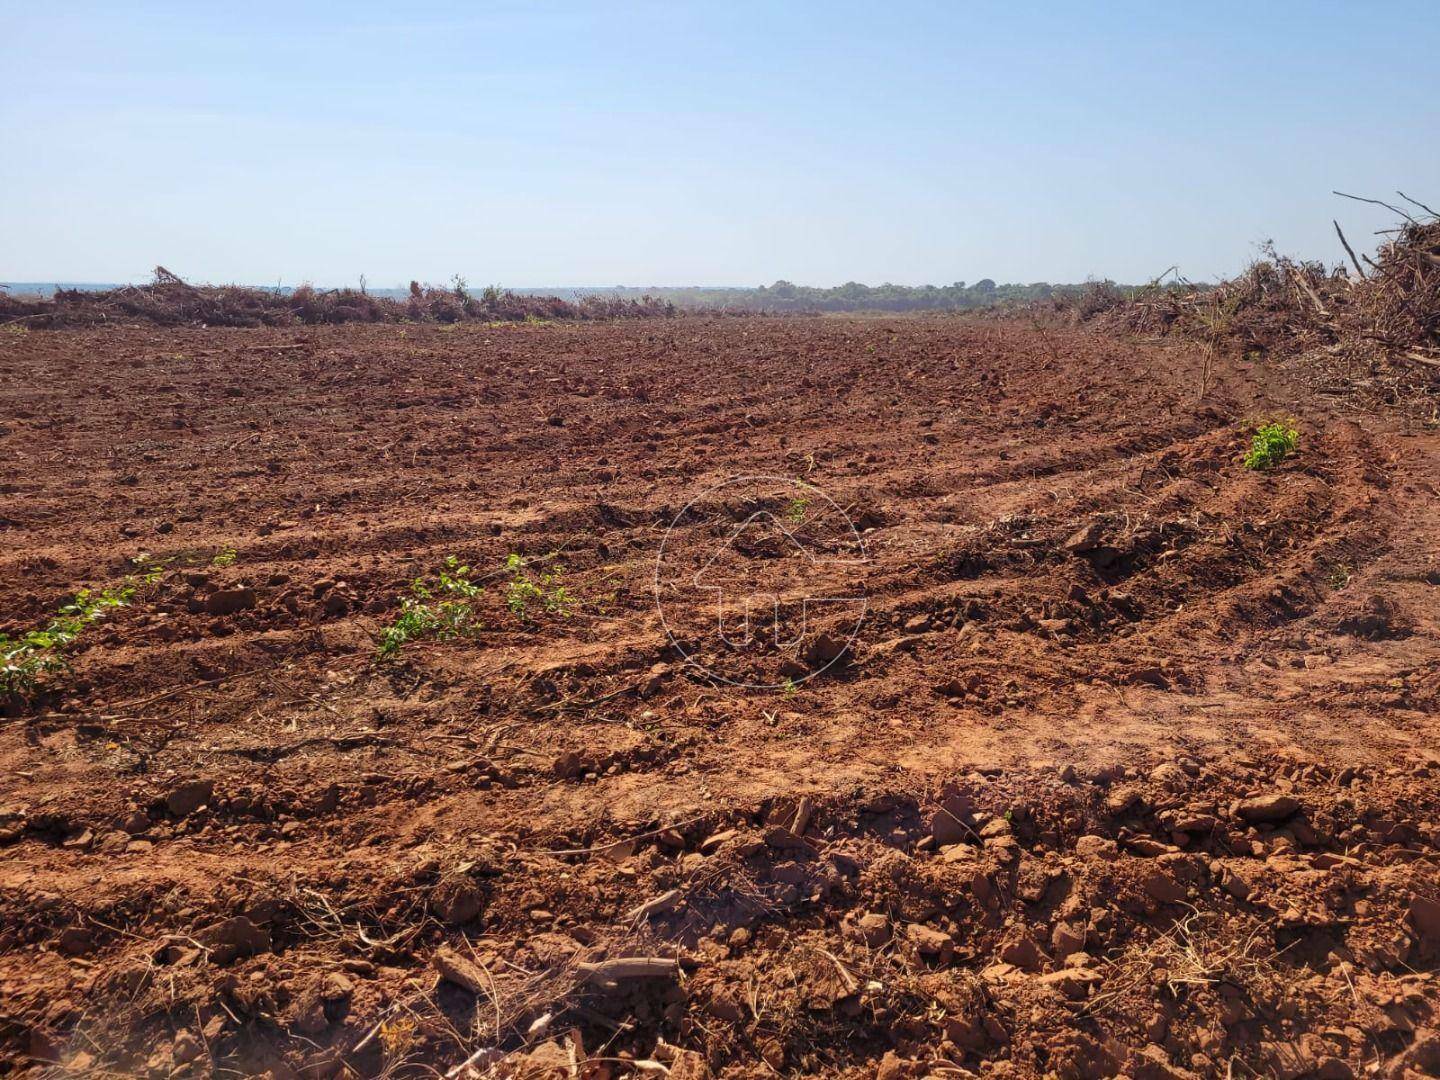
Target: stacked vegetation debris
170 301
1370 331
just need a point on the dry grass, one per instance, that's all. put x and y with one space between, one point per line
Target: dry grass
1200 950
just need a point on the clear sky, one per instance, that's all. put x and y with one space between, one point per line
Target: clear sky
566 143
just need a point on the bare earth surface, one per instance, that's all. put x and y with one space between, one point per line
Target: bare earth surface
1132 768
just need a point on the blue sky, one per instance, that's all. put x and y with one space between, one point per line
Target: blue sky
552 143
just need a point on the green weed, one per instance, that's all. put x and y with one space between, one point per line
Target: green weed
150 568
796 510
524 592
27 659
1271 444
225 557
441 609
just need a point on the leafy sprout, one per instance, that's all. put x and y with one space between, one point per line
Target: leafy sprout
1271 444
526 591
442 609
27 659
150 569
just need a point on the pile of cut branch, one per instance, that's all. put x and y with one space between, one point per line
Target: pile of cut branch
170 301
1368 331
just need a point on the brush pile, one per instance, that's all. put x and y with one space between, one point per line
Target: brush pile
1373 335
170 301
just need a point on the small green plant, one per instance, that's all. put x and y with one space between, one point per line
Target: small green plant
441 609
225 557
795 510
789 687
27 659
524 591
1271 444
150 568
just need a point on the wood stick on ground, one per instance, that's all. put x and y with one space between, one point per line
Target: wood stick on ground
459 969
478 1061
181 690
803 813
609 844
660 905
629 967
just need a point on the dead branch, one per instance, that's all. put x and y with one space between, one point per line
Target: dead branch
1377 202
1416 202
660 905
459 969
1348 249
630 967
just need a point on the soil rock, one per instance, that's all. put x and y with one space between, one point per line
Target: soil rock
230 601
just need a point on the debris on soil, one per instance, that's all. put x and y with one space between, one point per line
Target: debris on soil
169 301
1370 336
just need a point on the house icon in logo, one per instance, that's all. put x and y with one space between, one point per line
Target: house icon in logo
760 582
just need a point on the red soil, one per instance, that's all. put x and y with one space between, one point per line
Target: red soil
1130 769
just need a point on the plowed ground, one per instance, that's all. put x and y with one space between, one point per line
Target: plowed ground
1130 770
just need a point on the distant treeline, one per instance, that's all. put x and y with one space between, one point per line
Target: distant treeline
451 303
782 296
852 296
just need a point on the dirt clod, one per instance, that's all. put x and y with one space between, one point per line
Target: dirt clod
230 601
233 937
1274 806
184 799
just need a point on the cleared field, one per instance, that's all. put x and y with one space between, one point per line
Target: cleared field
1132 764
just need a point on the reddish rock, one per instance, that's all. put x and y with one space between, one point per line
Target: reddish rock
1022 950
1425 918
1160 886
567 765
872 929
1074 983
1271 807
231 938
1066 939
189 796
456 901
229 601
1097 847
929 941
